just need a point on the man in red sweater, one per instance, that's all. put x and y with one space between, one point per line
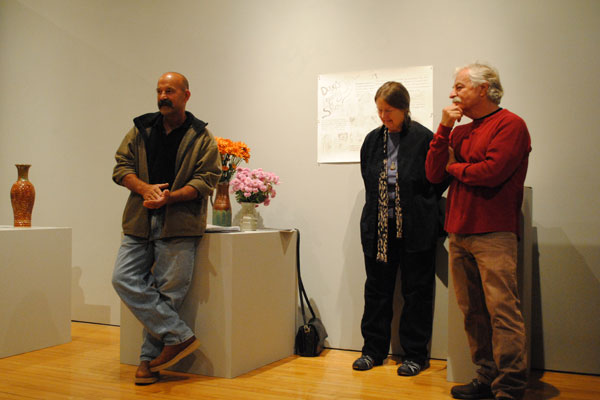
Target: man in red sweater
486 160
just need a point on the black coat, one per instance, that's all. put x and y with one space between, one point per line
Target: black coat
422 217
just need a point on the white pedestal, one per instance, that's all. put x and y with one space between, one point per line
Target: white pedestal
35 288
241 304
460 366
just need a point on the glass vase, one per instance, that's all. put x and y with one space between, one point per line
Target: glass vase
249 217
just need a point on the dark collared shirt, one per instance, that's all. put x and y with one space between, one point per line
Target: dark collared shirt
162 151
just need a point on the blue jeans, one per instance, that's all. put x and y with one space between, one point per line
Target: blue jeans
152 277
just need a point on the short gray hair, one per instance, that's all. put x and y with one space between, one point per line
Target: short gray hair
482 73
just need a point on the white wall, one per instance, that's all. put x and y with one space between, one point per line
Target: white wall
74 74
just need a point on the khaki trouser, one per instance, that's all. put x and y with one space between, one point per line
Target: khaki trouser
484 270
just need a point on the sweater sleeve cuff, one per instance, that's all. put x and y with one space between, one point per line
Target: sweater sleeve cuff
443 131
456 169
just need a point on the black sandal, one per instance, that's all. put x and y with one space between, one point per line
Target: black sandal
364 363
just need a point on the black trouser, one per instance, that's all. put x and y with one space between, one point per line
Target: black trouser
418 279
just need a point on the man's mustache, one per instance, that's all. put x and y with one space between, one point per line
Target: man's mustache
165 102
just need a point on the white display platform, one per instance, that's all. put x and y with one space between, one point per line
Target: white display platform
460 366
241 304
35 288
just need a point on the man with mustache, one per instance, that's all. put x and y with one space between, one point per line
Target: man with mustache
486 161
170 163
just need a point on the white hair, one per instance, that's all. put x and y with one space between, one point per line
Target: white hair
482 73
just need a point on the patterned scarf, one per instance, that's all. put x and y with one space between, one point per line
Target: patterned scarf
382 207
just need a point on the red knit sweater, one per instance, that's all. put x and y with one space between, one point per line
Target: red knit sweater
486 191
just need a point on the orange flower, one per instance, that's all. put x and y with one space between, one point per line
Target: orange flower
232 153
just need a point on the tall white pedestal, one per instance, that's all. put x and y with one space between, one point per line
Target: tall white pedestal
460 366
35 288
241 304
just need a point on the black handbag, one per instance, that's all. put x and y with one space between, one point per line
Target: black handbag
310 338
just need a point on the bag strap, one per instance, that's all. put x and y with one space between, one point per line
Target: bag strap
301 290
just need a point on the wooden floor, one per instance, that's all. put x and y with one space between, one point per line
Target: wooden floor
89 368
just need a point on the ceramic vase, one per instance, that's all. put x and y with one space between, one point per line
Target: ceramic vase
22 197
249 217
222 206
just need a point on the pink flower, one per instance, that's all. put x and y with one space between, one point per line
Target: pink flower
254 186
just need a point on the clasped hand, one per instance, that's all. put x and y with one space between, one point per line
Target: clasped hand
155 197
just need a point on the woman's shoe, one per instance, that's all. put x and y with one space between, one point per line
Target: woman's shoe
365 362
411 368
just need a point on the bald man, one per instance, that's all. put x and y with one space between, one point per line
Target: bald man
170 163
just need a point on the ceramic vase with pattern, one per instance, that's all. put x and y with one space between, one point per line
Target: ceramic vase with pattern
22 197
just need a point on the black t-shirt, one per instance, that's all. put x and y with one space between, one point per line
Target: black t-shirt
162 149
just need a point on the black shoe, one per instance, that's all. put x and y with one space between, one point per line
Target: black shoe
411 368
364 363
473 390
